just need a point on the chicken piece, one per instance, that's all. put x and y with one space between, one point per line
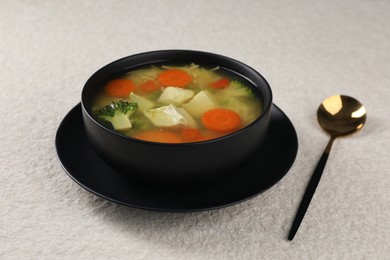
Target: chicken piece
175 96
202 102
143 103
169 116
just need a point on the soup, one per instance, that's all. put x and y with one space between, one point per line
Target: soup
177 103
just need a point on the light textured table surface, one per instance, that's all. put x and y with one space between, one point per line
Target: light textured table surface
307 50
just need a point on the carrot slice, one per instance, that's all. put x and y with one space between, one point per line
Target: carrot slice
174 78
190 134
159 136
220 84
221 119
119 88
149 86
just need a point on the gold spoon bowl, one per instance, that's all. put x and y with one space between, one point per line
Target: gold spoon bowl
341 115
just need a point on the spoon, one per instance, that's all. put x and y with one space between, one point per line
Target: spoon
338 115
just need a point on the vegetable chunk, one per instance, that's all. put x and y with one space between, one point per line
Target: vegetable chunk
220 119
188 117
176 96
118 114
119 88
237 89
245 107
201 102
166 116
143 103
220 84
174 77
149 86
158 136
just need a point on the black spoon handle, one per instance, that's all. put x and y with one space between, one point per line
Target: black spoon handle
310 189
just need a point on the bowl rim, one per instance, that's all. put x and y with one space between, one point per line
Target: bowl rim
266 109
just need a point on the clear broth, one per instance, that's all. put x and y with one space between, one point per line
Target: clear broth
239 95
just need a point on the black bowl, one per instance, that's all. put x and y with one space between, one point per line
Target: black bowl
175 163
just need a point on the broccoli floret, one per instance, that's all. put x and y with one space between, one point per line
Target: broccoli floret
118 114
238 89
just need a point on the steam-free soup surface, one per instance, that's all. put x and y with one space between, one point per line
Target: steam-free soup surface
177 104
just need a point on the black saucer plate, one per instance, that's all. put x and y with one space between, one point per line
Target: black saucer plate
267 167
